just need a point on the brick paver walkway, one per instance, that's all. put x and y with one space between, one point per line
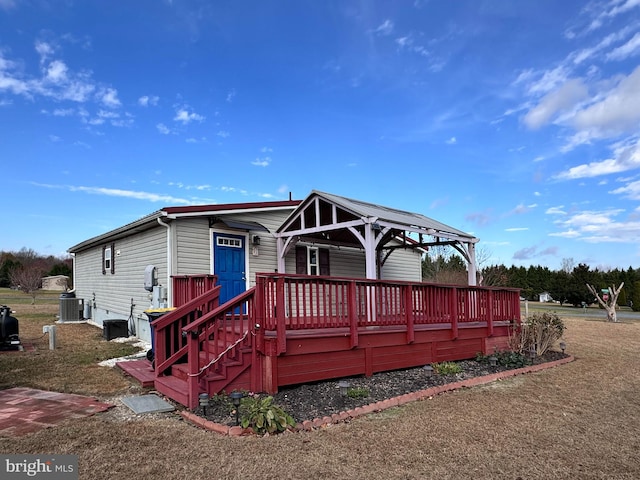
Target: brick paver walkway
27 410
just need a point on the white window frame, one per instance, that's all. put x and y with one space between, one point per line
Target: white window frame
310 264
228 242
107 259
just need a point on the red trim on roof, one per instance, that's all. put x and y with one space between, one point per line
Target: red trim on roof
231 206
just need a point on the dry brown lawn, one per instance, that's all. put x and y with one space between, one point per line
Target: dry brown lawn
577 421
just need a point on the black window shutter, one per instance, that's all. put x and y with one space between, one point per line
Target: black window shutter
104 270
323 254
113 258
301 260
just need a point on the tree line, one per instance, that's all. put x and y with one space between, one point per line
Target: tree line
25 269
568 285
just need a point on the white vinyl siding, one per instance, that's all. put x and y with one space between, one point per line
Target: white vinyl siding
114 294
192 246
403 264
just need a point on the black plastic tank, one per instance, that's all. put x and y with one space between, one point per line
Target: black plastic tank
9 339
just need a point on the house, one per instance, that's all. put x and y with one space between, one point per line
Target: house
234 241
55 282
270 294
545 297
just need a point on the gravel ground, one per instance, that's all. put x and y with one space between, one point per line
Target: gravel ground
316 400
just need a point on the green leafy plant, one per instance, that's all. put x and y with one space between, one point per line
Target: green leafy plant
357 392
505 358
446 368
263 416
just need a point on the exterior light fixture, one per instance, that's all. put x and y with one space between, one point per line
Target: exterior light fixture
493 360
344 387
256 240
236 397
563 346
203 400
428 370
376 227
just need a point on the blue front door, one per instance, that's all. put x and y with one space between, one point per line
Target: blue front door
229 265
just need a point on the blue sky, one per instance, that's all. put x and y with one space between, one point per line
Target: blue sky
517 121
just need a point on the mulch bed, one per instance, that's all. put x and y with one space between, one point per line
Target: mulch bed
320 399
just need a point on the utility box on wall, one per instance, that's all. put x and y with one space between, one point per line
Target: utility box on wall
114 329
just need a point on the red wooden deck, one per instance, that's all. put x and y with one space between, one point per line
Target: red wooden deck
292 329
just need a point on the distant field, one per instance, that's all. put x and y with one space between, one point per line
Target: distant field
15 297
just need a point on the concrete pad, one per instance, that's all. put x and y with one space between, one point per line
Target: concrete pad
148 404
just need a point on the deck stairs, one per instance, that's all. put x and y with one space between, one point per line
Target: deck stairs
218 336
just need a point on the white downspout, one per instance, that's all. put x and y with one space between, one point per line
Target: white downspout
73 255
169 261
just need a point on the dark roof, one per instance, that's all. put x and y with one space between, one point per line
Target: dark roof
151 220
419 222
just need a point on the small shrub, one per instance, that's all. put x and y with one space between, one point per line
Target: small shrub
446 368
507 359
262 416
222 401
357 392
540 332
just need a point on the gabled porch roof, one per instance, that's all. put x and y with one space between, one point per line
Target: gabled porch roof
330 219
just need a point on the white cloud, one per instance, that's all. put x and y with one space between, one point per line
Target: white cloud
223 134
630 191
516 229
109 97
163 129
57 72
185 117
54 138
629 49
617 111
546 82
599 227
564 98
147 100
262 162
626 156
63 112
266 150
231 95
386 28
521 208
113 192
451 141
555 210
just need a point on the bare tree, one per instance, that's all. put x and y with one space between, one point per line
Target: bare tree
609 301
27 279
568 264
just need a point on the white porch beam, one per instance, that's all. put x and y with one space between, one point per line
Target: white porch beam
471 265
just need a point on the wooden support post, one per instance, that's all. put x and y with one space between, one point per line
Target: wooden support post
193 357
490 313
408 312
454 313
281 327
352 310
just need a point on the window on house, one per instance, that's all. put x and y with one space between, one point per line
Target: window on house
107 259
229 242
312 261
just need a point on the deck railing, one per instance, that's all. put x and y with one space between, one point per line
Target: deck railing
296 302
216 338
170 345
188 287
